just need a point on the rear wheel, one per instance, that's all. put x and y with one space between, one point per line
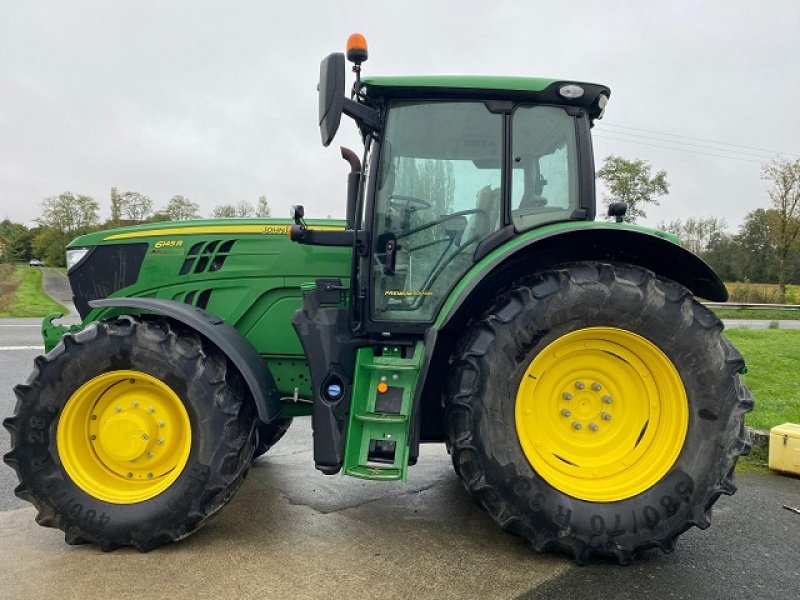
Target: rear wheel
131 432
597 409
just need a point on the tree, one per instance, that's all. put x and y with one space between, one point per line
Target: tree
63 217
116 207
695 233
245 209
135 207
262 209
757 249
180 208
630 181
783 188
16 241
223 211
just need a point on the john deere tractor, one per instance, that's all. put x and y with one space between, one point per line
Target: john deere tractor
590 404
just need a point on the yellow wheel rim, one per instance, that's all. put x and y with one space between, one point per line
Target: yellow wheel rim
601 414
124 437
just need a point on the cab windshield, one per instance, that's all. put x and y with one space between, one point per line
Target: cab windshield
440 193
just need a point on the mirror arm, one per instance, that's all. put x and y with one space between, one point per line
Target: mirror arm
365 115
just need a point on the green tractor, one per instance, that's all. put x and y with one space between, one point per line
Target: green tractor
590 404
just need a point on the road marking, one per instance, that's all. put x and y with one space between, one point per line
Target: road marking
21 347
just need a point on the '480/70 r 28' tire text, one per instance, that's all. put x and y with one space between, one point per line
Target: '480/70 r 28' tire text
597 409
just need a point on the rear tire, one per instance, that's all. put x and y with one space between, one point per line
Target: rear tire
182 373
555 508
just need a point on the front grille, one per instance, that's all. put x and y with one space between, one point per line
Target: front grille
104 271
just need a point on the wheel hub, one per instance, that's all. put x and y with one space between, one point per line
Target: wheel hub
601 414
124 437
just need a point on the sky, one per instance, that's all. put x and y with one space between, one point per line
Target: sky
217 101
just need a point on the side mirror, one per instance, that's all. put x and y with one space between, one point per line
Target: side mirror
333 102
331 96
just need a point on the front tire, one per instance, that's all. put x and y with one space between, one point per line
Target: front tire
641 363
132 432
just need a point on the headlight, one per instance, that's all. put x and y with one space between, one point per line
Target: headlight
74 255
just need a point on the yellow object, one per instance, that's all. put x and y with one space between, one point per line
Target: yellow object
382 387
216 230
601 414
784 448
124 437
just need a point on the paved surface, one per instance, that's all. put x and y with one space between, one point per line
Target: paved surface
56 285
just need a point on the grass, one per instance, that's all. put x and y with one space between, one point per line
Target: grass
761 293
773 364
26 299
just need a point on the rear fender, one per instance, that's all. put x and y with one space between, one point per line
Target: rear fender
228 339
541 249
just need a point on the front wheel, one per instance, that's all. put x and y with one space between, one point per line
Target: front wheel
131 432
597 409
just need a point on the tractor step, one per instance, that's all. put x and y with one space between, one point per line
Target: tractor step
380 413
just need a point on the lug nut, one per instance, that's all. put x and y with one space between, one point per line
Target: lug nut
566 412
145 437
161 424
579 385
130 475
596 387
566 396
92 437
150 455
134 404
576 425
151 410
607 399
160 441
605 416
149 475
94 417
593 426
117 409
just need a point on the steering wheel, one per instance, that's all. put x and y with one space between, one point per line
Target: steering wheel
412 202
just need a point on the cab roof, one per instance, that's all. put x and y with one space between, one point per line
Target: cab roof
535 89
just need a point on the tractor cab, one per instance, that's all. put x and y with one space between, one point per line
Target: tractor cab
454 166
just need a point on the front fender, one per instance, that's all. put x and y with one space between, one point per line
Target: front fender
228 339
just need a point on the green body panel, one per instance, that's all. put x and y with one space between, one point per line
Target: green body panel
479 270
370 422
463 82
257 290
